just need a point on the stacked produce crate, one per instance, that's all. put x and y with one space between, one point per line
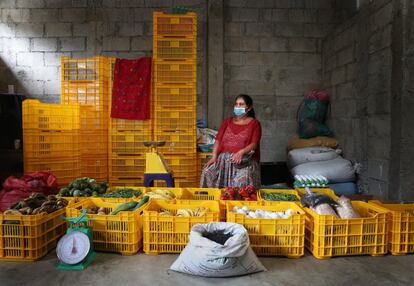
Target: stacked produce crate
174 53
85 81
126 153
51 139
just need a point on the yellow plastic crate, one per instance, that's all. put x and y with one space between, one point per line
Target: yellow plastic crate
400 227
177 141
120 233
188 181
92 118
124 182
44 116
174 24
129 142
30 237
325 191
86 69
87 93
169 234
126 166
205 194
272 237
276 191
327 236
129 125
175 72
95 166
173 96
175 48
50 144
223 206
94 142
178 192
65 169
177 119
184 169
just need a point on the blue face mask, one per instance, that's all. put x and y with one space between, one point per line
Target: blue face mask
239 111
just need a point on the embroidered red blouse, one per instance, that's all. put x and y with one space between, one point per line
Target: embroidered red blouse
234 137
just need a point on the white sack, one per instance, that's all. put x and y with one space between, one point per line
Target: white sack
311 154
204 257
336 171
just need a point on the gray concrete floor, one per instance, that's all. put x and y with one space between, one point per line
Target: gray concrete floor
141 269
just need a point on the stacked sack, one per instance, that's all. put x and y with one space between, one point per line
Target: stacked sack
325 161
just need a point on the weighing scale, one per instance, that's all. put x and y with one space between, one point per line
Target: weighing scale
75 248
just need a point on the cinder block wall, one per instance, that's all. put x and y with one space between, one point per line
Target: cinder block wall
357 71
272 51
34 34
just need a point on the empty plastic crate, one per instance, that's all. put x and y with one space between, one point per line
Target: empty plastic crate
86 69
400 227
177 141
175 48
175 72
174 24
173 96
45 116
129 142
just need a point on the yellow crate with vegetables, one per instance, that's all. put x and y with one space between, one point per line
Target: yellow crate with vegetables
327 236
117 227
274 230
167 225
325 191
400 227
275 196
29 237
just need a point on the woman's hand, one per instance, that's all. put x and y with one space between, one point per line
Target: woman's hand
237 157
212 161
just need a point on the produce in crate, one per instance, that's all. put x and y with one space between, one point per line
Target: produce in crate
312 199
345 209
37 203
278 197
258 213
83 187
185 212
246 193
129 206
160 195
122 193
324 205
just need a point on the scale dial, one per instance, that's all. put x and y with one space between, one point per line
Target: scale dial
73 248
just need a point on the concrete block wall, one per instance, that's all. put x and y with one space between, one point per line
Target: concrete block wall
357 71
35 34
272 51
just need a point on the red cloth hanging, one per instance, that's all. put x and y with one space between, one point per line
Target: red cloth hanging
131 89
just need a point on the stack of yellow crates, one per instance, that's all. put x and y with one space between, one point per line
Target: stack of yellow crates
126 152
174 93
51 139
85 81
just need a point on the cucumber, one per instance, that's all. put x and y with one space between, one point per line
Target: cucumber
142 202
124 207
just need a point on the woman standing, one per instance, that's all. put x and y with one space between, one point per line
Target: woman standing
236 152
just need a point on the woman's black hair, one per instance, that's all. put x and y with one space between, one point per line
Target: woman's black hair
249 103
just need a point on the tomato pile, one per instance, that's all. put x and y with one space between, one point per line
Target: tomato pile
246 193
